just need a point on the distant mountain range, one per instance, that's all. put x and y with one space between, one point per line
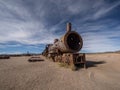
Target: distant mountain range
118 51
31 54
105 52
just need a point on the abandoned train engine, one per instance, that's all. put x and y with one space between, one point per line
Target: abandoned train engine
66 48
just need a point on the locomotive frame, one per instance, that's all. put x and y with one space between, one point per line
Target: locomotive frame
66 49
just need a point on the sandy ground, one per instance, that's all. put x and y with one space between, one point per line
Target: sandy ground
103 73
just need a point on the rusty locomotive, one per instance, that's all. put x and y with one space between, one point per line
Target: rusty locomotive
66 49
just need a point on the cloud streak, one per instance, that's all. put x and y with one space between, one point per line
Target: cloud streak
39 22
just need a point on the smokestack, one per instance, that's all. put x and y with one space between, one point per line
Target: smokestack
69 26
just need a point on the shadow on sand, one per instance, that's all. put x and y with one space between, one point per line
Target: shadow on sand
94 63
90 64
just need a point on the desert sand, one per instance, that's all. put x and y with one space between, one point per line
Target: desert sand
103 73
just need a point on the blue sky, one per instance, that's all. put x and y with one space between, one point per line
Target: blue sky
28 25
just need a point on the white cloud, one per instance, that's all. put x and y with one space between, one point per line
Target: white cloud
36 22
105 9
18 24
101 41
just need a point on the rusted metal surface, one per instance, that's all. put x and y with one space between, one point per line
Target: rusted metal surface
68 27
66 48
70 42
4 57
35 59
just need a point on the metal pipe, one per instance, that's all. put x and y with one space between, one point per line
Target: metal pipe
69 27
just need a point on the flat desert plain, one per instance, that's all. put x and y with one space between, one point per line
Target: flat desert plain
103 73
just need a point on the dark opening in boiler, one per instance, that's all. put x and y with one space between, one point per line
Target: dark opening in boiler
73 41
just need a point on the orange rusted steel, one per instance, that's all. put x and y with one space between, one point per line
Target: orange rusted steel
4 57
66 48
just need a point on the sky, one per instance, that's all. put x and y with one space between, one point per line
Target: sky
28 25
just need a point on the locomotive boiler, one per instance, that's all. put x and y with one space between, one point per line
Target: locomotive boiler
66 49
